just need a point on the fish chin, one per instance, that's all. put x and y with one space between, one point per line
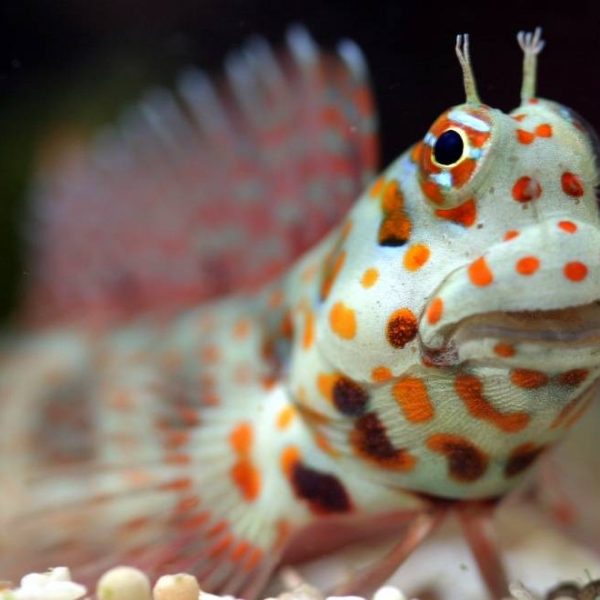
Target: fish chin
542 339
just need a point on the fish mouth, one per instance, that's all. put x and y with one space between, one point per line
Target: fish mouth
492 310
552 339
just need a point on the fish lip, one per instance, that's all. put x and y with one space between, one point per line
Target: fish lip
571 329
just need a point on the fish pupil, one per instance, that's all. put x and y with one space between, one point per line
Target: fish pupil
448 148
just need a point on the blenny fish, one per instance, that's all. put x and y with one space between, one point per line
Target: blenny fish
411 364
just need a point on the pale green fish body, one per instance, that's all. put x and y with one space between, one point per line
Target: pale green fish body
441 337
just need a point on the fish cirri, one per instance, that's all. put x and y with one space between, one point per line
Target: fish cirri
414 361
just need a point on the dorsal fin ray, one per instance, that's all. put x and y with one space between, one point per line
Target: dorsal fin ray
205 191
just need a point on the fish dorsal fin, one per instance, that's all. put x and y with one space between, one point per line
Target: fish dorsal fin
209 190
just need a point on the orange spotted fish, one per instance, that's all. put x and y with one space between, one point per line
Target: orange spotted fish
414 362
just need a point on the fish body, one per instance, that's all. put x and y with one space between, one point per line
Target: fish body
428 349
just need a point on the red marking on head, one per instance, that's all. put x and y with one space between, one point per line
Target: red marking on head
511 234
479 272
519 118
527 379
575 271
527 265
411 395
470 391
182 484
525 137
435 310
462 172
463 214
544 130
526 189
432 191
567 226
504 350
571 184
533 100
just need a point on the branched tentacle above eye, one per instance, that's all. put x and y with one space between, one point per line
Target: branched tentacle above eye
531 44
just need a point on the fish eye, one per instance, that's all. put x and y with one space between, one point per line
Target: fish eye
448 148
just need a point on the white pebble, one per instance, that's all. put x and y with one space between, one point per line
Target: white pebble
123 583
56 584
177 587
388 592
344 598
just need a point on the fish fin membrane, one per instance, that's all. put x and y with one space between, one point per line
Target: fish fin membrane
206 190
125 464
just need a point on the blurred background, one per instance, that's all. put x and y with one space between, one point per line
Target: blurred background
67 67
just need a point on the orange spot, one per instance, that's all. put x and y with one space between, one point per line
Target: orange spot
575 271
411 394
275 299
369 277
247 479
511 234
402 327
175 439
325 383
416 256
380 374
435 310
194 521
462 172
241 329
571 184
343 320
479 273
544 130
219 547
377 188
470 390
289 458
526 189
285 417
253 559
331 269
504 350
525 137
178 459
568 226
241 438
527 265
176 485
519 117
464 214
210 353
526 379
187 504
392 199
324 444
309 329
432 191
240 550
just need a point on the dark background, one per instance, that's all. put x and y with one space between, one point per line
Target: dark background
73 65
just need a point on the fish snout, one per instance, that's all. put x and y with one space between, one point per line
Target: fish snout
532 301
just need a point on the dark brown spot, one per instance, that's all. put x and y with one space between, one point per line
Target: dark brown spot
402 327
395 228
349 397
370 441
466 462
324 492
573 377
521 458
